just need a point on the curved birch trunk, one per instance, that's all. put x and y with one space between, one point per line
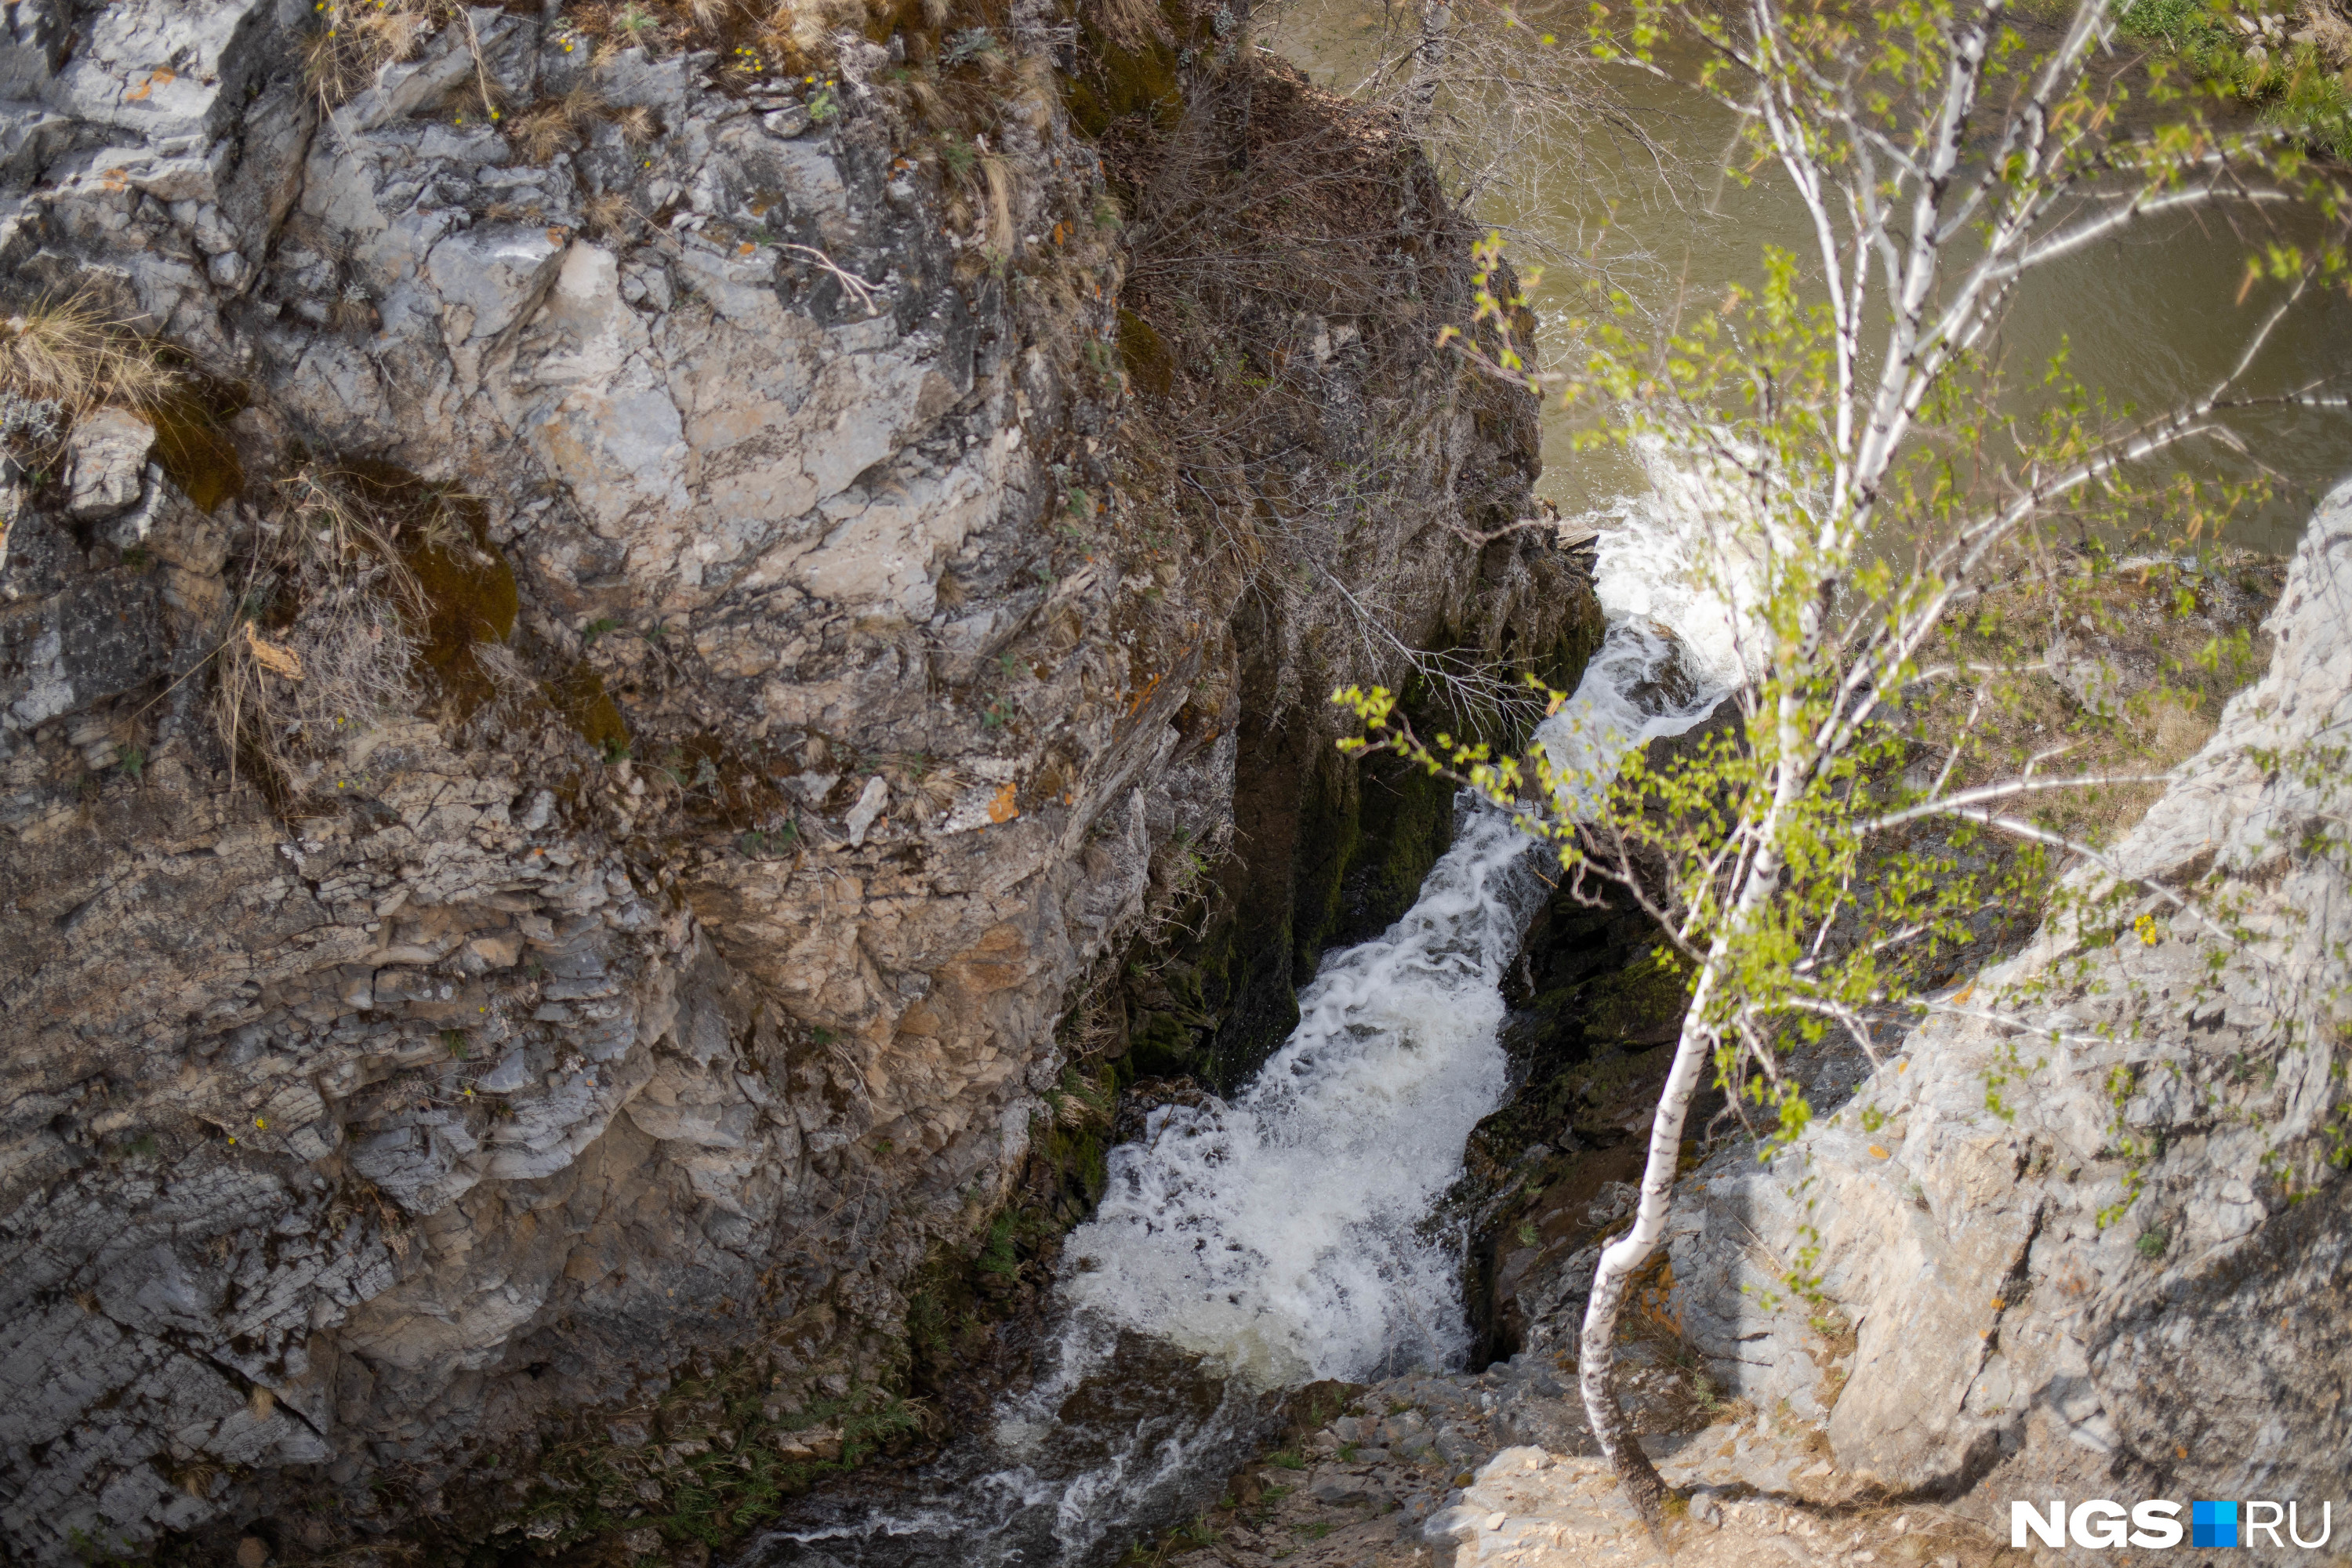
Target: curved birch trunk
1596 1358
1596 1351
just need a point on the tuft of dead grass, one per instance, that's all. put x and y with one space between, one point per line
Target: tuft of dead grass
636 124
608 213
1131 25
72 354
555 125
996 177
352 40
325 647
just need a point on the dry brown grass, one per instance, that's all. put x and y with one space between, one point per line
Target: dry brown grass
636 124
1002 195
608 213
355 39
351 42
1129 24
73 355
554 125
751 39
333 650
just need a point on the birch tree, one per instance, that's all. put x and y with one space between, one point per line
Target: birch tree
1872 485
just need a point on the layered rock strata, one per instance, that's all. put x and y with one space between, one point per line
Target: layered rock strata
552 799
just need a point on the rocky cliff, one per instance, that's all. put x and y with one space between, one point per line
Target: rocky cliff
2081 1236
608 616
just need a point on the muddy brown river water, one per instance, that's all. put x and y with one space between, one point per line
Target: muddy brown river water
2145 319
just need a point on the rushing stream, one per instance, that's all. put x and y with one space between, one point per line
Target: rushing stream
1250 1246
1254 1244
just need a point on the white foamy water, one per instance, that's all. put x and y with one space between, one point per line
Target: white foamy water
1678 576
1276 1233
1681 555
1249 1245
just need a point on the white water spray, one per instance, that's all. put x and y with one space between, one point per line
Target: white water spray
1682 556
1679 578
1277 1237
1276 1233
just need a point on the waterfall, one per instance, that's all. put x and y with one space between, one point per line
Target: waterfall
1276 1233
1242 1247
1251 1245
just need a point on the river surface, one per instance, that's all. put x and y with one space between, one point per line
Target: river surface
2145 319
1247 1247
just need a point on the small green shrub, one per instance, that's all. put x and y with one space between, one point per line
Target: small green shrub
997 1256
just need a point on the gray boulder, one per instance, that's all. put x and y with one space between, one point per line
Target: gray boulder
2084 1229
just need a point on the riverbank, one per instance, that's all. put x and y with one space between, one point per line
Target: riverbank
2283 63
1981 1327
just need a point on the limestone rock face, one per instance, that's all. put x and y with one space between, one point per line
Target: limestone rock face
664 952
2095 1257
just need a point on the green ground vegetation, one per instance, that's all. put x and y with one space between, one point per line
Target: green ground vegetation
2294 86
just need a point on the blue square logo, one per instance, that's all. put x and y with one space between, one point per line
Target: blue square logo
2212 1524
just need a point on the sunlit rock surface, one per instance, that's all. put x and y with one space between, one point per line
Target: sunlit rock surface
2094 1257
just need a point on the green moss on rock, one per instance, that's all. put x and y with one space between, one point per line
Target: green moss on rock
589 709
